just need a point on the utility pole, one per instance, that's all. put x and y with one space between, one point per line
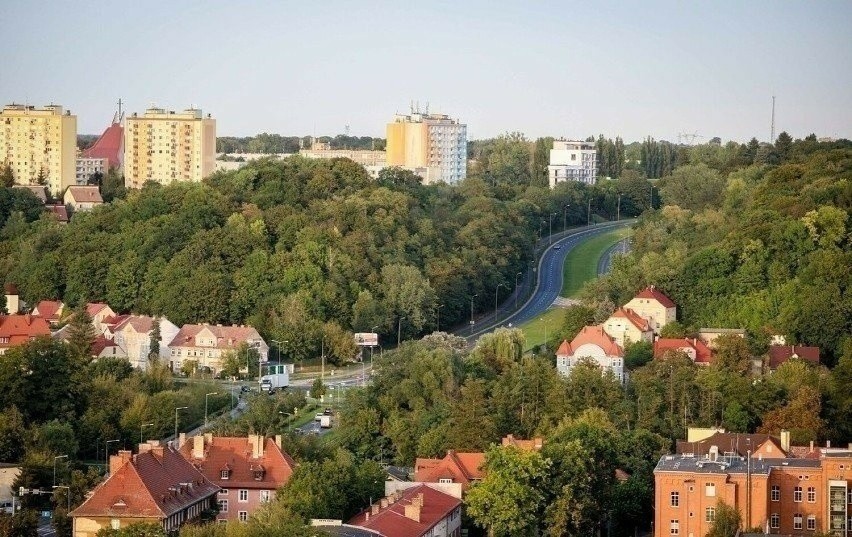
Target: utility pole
618 210
772 130
496 291
589 214
565 217
399 332
471 312
550 229
516 288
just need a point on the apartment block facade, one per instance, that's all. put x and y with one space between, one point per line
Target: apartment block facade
166 147
573 160
432 145
784 495
39 144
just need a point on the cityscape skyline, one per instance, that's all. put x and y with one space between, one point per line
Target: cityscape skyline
282 76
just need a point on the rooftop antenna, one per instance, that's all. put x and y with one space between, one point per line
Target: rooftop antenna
772 131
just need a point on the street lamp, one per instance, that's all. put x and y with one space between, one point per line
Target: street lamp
545 331
278 346
206 400
496 291
141 427
516 288
438 323
618 210
54 465
322 357
565 216
176 420
287 418
106 452
652 197
399 331
68 495
589 214
550 229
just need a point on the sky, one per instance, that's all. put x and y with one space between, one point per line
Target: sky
565 69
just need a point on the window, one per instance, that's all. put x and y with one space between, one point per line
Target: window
674 528
225 474
797 494
243 495
243 516
776 493
811 495
811 522
675 500
710 489
223 506
445 480
223 492
797 521
775 521
710 514
264 496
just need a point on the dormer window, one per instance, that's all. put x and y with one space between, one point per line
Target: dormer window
225 473
258 471
445 480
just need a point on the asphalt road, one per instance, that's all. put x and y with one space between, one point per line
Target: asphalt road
605 262
550 278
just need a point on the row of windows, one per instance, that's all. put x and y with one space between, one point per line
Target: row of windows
775 521
775 494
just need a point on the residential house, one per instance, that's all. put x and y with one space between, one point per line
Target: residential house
59 211
205 344
106 348
738 444
654 306
99 312
709 335
9 472
455 467
13 300
39 191
594 343
83 198
156 486
420 511
49 310
785 495
133 334
696 349
248 470
778 354
19 329
627 326
526 445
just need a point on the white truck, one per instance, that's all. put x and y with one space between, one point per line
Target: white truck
325 421
276 378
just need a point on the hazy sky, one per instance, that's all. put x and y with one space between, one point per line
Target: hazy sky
541 68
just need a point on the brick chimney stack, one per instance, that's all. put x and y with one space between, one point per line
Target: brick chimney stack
119 460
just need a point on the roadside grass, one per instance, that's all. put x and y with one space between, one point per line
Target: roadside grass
534 330
581 263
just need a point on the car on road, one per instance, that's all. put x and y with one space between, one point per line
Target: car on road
327 412
318 417
557 246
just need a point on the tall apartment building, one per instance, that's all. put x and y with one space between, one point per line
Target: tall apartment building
573 160
756 474
431 145
167 147
39 144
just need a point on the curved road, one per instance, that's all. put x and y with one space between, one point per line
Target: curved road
550 273
619 248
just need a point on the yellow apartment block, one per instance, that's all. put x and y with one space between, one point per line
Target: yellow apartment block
39 144
166 147
432 145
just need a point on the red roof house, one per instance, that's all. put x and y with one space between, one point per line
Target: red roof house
155 486
464 468
415 512
49 310
778 354
696 349
19 329
247 469
592 342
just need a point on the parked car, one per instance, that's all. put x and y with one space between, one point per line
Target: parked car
327 412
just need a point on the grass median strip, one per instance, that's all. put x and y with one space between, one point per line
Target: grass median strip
581 263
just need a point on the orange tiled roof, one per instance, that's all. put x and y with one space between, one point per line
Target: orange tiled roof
59 211
227 337
148 485
392 521
235 454
778 354
703 353
142 324
633 317
654 293
110 146
19 329
461 467
85 194
93 308
48 310
594 335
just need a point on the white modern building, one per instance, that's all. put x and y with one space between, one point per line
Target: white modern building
573 160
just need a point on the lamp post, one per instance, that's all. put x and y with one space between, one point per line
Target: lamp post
471 312
651 200
545 331
141 427
287 418
565 216
322 357
106 453
550 228
589 214
516 289
618 210
496 291
438 323
278 346
67 495
206 401
176 419
54 465
399 332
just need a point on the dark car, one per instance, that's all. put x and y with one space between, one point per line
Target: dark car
327 412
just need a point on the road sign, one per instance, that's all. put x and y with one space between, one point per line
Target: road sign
367 339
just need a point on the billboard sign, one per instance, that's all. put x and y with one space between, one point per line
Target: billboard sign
366 339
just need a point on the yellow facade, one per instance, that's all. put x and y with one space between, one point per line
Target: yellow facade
407 144
433 146
89 526
39 141
167 147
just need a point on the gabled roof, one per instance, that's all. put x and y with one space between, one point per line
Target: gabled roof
236 454
653 293
738 443
227 337
393 521
110 146
19 329
142 324
48 310
59 211
703 354
38 191
594 335
85 194
460 467
778 354
148 485
102 343
632 317
93 308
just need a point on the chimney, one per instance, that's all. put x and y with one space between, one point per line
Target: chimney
278 441
384 503
374 509
812 446
539 442
785 440
181 440
367 516
157 452
119 460
828 443
412 511
198 447
208 438
256 442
